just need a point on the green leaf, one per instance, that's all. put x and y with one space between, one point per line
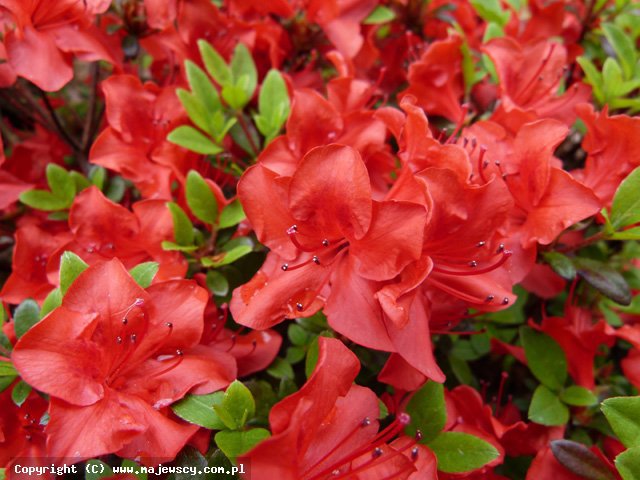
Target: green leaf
427 411
312 358
226 258
605 279
202 88
191 139
491 11
143 273
623 414
198 409
61 183
547 409
239 403
545 358
459 452
5 382
201 199
195 110
612 78
43 200
7 369
232 214
80 182
97 469
273 105
625 209
630 234
561 264
577 458
182 226
26 316
71 266
116 189
298 335
578 396
281 369
628 464
593 78
174 247
20 392
215 64
98 175
243 70
623 46
53 301
217 283
380 14
234 444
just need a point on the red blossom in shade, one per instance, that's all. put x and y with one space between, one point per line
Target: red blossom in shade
103 230
530 75
35 245
436 79
580 338
329 429
140 117
112 356
42 36
612 144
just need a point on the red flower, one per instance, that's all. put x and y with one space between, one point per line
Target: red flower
331 245
531 74
328 429
112 356
43 36
140 117
436 79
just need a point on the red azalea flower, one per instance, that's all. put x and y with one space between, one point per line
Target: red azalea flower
44 35
103 230
140 117
613 150
436 79
329 429
111 356
531 74
331 244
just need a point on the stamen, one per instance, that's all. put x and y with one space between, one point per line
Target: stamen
476 271
481 163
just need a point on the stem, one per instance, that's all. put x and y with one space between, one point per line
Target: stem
245 129
87 131
584 243
58 124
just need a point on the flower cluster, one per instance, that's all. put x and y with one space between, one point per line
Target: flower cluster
345 239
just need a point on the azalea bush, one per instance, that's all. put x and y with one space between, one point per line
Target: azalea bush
308 240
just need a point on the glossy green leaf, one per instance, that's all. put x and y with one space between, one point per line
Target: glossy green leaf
71 266
20 392
236 443
380 14
191 139
227 257
61 183
545 358
144 273
281 369
232 214
428 412
51 302
459 452
630 234
198 409
182 226
623 46
214 63
43 200
243 70
561 264
623 414
195 110
491 11
26 316
200 198
578 396
628 464
202 88
273 105
547 409
605 279
625 209
239 403
217 283
98 176
7 369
